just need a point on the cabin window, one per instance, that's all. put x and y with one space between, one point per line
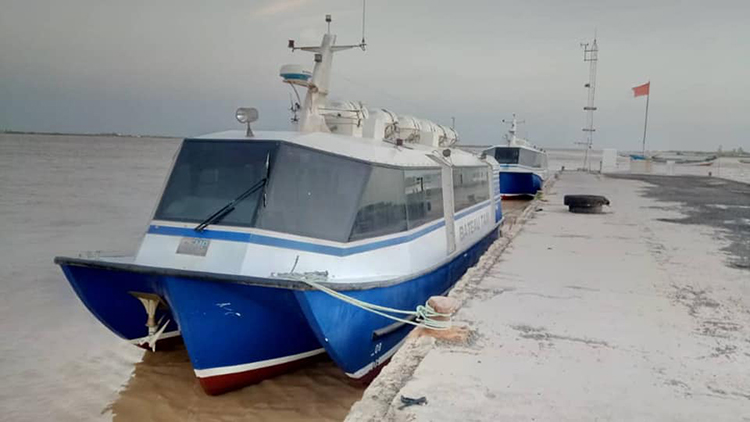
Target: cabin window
424 196
382 209
530 158
308 193
312 194
209 174
507 155
470 186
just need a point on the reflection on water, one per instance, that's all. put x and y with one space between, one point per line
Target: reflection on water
163 387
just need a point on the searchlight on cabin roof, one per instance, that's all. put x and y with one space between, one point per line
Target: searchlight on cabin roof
247 115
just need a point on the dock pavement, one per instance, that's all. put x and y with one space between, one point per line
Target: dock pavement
641 313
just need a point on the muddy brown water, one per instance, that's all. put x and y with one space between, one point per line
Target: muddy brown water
163 387
62 195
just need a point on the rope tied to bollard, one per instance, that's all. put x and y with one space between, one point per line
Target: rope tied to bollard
425 315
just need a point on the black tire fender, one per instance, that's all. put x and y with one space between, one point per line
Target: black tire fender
590 204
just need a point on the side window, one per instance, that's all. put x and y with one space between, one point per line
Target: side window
530 158
470 186
523 158
382 209
424 196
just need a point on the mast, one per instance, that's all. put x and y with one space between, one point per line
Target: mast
512 140
311 119
591 55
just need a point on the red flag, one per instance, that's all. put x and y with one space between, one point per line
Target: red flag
641 89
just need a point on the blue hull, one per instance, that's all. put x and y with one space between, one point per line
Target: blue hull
359 341
238 333
516 183
106 294
235 334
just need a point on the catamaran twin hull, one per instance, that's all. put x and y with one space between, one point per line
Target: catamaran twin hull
240 330
229 289
523 169
516 181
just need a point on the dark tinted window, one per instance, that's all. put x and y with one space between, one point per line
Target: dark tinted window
470 186
506 155
382 209
209 174
313 194
309 193
424 196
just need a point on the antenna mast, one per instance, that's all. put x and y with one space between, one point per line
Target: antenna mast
364 6
318 84
591 55
512 140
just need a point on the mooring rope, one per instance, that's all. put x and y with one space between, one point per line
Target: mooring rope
425 314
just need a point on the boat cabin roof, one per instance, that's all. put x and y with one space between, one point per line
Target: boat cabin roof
527 147
369 150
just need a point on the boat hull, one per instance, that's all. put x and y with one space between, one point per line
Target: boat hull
520 183
107 295
360 342
235 334
239 335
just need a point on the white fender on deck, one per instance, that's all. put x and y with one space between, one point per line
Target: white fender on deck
409 128
354 119
448 136
442 135
381 124
345 117
429 134
451 136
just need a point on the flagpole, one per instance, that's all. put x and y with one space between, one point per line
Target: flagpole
645 122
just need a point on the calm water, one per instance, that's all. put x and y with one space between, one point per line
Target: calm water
62 195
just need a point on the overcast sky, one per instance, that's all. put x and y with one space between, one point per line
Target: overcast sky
180 67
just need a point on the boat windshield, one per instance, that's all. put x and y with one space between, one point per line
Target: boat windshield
308 193
522 156
209 174
507 155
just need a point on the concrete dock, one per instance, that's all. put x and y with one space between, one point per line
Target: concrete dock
641 313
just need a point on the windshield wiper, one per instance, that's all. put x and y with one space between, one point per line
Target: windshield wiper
226 209
268 175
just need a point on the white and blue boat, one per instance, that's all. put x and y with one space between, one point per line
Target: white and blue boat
523 167
263 242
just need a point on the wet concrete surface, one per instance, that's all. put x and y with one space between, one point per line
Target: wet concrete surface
708 201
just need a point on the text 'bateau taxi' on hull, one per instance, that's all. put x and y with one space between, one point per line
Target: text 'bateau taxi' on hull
263 243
